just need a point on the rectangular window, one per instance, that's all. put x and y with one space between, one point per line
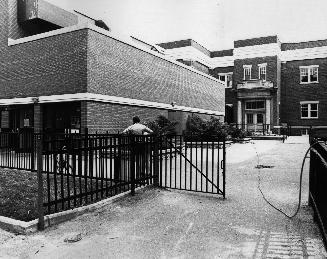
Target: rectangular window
227 78
249 118
263 71
259 118
309 74
309 110
247 72
254 105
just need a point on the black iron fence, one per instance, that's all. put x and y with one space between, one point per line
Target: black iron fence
192 166
79 169
17 150
318 183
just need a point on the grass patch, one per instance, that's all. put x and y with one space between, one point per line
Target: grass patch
19 190
18 194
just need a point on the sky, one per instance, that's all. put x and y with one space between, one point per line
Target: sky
215 24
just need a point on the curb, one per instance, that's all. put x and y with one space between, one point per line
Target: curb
22 227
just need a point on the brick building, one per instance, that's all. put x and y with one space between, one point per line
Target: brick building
61 70
267 83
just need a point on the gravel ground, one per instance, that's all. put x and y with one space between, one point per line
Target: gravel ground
159 223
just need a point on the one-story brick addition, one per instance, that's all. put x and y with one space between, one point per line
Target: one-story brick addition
267 83
61 70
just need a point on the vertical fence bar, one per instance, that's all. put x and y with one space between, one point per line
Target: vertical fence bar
161 162
185 167
86 168
212 165
207 164
40 183
201 180
175 156
224 168
156 162
181 140
191 161
132 163
218 166
196 165
80 167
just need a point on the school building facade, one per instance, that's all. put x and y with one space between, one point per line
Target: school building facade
267 83
61 70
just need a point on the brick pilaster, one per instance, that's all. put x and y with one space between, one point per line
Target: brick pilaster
38 118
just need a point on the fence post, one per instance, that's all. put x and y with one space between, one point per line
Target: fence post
156 162
33 153
40 182
132 163
224 168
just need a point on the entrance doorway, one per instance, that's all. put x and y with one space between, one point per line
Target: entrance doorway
254 121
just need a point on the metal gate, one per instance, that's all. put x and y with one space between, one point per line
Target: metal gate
192 166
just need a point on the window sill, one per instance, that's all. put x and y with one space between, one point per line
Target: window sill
309 118
305 83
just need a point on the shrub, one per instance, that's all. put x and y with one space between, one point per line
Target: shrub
237 133
213 129
198 129
163 126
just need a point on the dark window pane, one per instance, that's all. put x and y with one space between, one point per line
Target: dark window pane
314 114
249 118
304 114
259 118
304 79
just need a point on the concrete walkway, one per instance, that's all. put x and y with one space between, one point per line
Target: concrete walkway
169 224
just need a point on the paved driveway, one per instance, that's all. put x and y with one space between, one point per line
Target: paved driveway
169 224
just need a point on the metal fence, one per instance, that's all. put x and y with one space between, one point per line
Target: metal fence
81 169
17 151
318 183
192 166
78 169
261 128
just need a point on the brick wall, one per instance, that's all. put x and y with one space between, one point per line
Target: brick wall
230 96
271 68
303 45
222 53
200 67
15 31
293 92
115 68
3 26
114 117
256 41
53 65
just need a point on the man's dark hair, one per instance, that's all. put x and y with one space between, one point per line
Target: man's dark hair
136 119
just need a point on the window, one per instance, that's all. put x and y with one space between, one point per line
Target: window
247 72
249 118
309 110
260 118
227 78
263 71
254 105
309 74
